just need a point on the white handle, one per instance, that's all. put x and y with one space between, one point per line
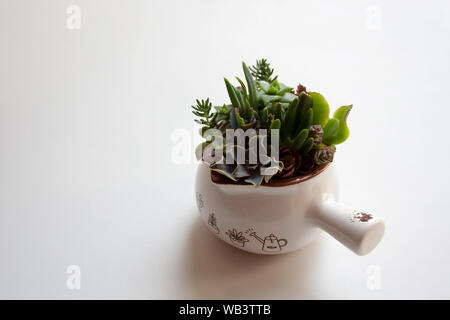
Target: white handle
359 231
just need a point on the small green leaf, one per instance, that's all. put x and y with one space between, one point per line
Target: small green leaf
264 117
239 119
307 119
321 109
300 140
276 109
233 119
288 97
283 89
288 123
330 131
244 88
264 86
232 93
337 132
251 86
343 132
307 146
266 99
276 124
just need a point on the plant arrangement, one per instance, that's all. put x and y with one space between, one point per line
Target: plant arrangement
307 135
237 237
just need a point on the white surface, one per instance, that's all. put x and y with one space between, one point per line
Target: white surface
86 118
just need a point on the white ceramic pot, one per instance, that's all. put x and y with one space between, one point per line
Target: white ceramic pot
283 218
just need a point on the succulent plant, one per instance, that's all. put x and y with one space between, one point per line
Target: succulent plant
307 135
262 71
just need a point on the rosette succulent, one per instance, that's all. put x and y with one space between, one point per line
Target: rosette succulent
307 135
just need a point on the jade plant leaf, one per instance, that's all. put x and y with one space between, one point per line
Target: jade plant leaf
336 130
320 108
330 131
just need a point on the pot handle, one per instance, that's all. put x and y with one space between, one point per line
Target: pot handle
359 231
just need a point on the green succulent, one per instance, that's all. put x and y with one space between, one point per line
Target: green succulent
262 102
262 71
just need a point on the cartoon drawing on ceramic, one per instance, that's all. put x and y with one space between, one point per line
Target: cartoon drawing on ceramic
200 203
212 222
237 238
270 243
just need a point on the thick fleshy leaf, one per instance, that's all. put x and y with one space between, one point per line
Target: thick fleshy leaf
243 87
330 131
288 122
305 102
224 169
288 97
321 109
276 109
264 86
233 119
336 130
307 146
300 140
255 180
306 119
239 119
241 171
231 93
266 99
343 132
264 116
283 89
225 109
251 86
276 124
242 103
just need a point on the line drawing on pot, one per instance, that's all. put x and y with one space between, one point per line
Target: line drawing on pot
200 202
237 238
270 243
212 222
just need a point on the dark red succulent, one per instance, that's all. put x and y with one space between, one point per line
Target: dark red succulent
307 164
291 160
300 89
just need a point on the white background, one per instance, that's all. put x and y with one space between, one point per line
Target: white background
87 117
